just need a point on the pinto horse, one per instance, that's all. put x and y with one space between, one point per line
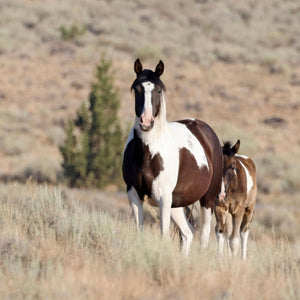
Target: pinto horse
175 164
236 202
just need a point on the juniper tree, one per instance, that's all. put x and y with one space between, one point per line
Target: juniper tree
92 156
105 135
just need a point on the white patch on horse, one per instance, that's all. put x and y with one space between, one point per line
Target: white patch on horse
242 156
248 177
185 139
222 193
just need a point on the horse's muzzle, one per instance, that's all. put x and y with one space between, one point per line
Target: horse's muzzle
147 127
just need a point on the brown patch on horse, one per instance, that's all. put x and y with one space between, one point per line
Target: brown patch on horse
208 140
139 168
192 182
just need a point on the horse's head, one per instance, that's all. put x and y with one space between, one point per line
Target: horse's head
230 171
148 89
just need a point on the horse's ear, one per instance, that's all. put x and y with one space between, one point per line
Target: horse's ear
159 68
138 67
236 147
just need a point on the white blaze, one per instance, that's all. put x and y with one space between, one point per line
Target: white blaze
147 110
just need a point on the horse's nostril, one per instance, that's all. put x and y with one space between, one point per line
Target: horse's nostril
220 230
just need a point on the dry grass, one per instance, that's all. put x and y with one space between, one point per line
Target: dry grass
54 247
231 64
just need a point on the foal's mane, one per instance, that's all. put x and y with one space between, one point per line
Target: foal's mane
227 149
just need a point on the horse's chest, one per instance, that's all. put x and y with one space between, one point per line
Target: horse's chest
150 169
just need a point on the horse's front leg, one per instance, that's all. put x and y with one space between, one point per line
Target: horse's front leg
137 207
165 203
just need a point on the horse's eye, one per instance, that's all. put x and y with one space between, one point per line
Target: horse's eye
159 91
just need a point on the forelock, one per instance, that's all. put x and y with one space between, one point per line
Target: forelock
148 75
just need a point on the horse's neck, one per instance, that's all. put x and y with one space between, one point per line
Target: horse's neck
161 129
160 132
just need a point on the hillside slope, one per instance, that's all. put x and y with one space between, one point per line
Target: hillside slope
234 65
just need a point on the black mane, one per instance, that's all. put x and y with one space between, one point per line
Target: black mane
227 149
148 75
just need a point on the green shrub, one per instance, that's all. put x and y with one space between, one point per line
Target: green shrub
70 33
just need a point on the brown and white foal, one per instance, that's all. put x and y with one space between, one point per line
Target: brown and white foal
174 163
236 201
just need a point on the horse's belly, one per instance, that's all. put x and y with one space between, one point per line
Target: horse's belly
184 196
192 184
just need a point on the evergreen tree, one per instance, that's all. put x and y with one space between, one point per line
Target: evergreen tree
92 158
105 134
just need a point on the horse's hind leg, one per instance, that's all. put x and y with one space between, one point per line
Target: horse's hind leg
186 229
137 207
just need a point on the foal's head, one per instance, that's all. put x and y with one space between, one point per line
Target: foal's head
148 89
230 171
229 183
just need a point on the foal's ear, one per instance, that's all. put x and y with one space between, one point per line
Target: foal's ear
236 147
159 68
138 67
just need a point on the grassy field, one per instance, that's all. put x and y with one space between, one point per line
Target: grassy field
54 246
235 65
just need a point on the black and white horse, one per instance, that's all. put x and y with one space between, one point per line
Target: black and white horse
174 163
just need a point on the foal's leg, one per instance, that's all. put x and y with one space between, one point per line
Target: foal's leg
223 232
137 207
220 229
235 236
206 215
245 230
220 239
228 232
186 229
